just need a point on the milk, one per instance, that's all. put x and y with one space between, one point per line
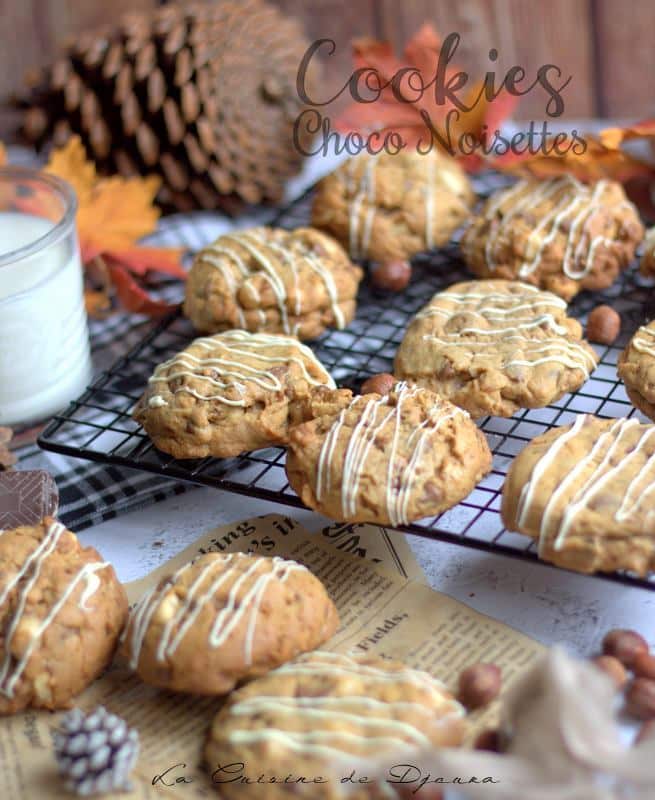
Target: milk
44 342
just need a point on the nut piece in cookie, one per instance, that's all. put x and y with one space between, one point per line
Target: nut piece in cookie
272 280
324 715
559 235
388 207
493 347
585 493
388 459
229 393
62 610
225 617
636 368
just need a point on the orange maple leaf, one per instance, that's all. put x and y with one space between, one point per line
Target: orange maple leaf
113 215
603 158
118 213
407 116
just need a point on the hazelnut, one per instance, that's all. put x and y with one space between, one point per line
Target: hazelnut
378 384
489 740
624 645
479 684
603 325
613 668
640 699
393 276
647 731
644 665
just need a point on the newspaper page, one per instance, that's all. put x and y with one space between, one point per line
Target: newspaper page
381 613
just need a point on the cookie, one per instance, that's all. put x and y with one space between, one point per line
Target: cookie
274 281
226 617
636 368
388 207
493 347
227 394
62 610
585 492
647 262
323 716
559 235
388 459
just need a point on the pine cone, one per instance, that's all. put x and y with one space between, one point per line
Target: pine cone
203 93
95 752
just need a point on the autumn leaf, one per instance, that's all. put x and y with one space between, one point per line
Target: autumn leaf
113 215
70 163
614 137
133 296
599 161
407 115
118 213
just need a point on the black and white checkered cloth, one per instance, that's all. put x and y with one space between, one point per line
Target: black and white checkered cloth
90 493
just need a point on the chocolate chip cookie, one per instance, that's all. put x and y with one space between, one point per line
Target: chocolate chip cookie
585 492
636 368
559 234
647 263
225 617
272 280
388 459
229 393
387 207
323 716
62 610
493 347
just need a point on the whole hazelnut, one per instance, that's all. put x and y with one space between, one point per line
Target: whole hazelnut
378 384
489 740
479 684
647 731
612 667
624 645
644 665
640 698
603 325
393 276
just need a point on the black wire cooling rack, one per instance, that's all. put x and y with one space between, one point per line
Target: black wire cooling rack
98 426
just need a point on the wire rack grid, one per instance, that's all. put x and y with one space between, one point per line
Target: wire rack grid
98 426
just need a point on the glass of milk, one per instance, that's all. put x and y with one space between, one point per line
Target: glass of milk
44 340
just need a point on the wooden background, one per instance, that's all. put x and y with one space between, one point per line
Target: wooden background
607 46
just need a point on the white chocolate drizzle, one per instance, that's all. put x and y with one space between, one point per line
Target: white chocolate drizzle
612 454
247 588
231 371
403 455
644 340
361 191
332 725
530 350
574 208
286 262
24 581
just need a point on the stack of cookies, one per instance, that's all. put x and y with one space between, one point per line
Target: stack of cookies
486 347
